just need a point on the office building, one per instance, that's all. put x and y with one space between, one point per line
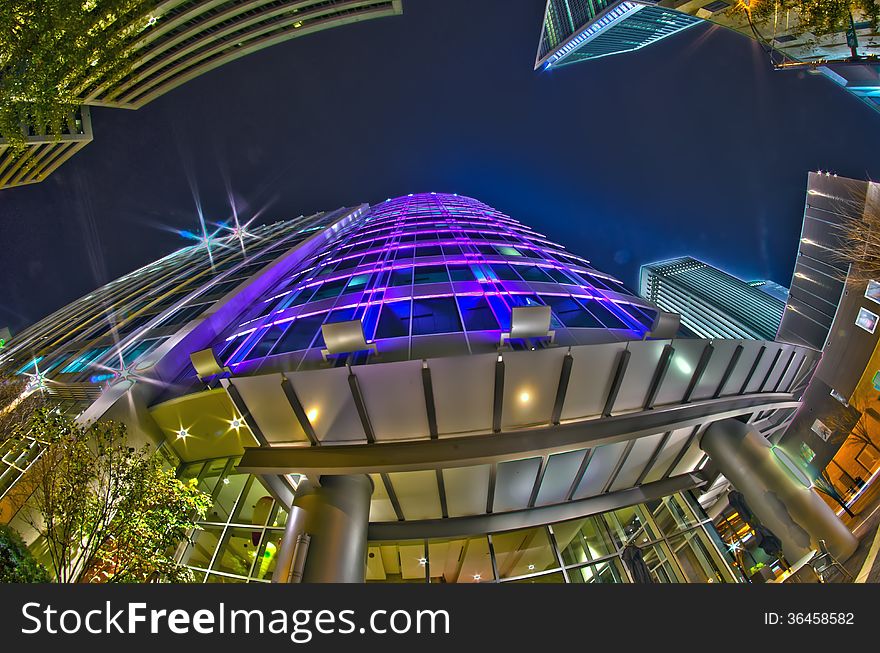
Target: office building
181 40
423 390
43 153
711 302
576 31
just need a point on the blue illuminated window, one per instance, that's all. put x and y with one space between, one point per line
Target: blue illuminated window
477 314
329 290
608 318
401 277
269 338
570 313
505 272
31 366
84 360
461 273
430 274
438 315
533 273
131 354
430 250
357 282
394 320
300 334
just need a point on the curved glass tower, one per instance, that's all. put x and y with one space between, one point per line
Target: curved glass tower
431 389
426 275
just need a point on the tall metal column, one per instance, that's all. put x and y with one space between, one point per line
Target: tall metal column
335 515
787 506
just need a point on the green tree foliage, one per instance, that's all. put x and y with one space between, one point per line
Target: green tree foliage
17 565
51 51
106 512
819 17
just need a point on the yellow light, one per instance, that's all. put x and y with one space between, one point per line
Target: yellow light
312 414
525 397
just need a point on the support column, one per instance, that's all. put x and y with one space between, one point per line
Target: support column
795 513
335 515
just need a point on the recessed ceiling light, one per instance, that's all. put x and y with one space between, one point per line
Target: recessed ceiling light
477 577
235 423
182 433
531 567
312 414
423 561
525 397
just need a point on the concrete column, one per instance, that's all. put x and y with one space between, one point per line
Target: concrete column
795 513
335 515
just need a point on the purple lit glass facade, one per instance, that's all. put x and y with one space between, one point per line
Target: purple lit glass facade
427 275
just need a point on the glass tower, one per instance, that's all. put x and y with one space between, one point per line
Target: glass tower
426 274
495 407
711 302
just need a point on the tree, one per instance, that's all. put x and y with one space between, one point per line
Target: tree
826 486
861 235
53 51
17 565
818 17
107 512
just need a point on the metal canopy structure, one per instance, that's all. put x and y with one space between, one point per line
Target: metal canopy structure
502 436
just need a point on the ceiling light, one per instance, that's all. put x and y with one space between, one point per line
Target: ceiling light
235 423
423 561
525 397
312 414
477 577
182 433
531 567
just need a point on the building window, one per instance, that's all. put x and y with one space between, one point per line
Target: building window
401 277
394 320
477 314
84 361
430 274
435 316
461 273
571 313
300 334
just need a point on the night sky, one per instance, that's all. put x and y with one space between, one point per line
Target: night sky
692 146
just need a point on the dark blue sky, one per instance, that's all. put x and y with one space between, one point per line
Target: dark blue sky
692 146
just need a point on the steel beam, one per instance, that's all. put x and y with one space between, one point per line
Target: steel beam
465 451
531 517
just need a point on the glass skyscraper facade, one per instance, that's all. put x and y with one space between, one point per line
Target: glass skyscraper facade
430 265
467 387
711 302
576 31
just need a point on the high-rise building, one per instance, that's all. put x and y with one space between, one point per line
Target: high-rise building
575 31
43 153
711 302
430 391
772 288
183 39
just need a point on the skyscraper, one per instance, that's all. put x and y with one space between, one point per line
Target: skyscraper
44 152
426 388
183 39
711 302
575 31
